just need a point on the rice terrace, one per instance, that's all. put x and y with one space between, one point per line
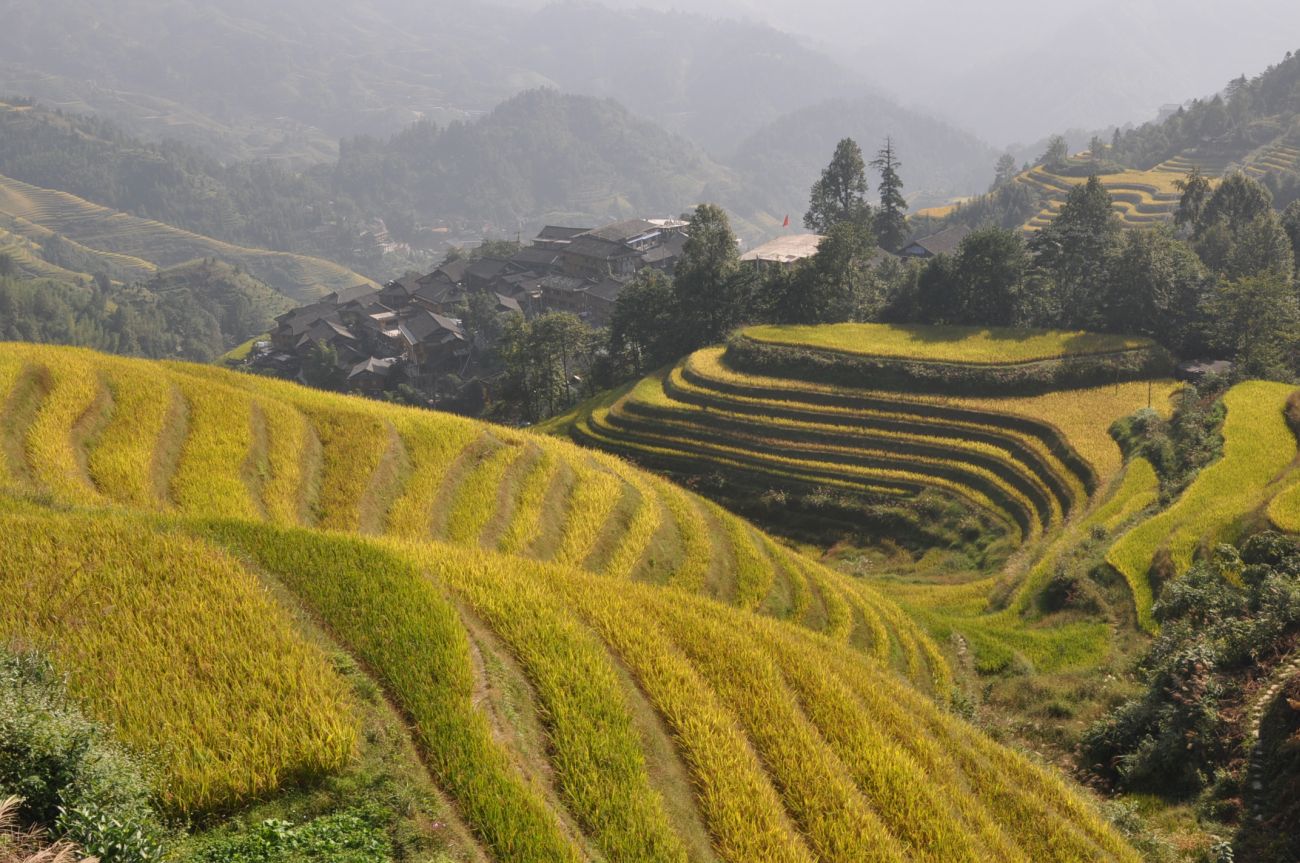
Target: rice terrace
526 431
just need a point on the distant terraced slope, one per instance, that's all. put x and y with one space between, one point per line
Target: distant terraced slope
1144 198
1140 197
485 578
133 248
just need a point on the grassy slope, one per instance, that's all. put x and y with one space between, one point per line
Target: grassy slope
829 767
1259 447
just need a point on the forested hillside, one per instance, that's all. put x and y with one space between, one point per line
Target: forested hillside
196 311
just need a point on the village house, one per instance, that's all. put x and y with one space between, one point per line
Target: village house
783 251
943 243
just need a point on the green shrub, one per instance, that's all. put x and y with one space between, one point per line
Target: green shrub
354 836
73 780
1228 616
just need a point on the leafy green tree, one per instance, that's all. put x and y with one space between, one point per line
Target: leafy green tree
989 270
643 329
1258 246
1056 154
937 299
1075 249
1237 201
711 291
981 284
1256 322
840 195
1291 224
835 285
1196 191
547 362
1156 285
890 219
320 367
1004 172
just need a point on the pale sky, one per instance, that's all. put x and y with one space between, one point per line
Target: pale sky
1018 70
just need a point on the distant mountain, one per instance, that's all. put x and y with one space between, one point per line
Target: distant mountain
541 155
286 79
781 161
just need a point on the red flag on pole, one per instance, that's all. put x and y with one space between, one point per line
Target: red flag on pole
787 222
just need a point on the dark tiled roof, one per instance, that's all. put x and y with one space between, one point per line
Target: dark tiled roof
427 326
553 233
563 283
454 270
671 248
943 243
533 257
621 232
607 289
374 366
598 249
351 295
487 268
508 304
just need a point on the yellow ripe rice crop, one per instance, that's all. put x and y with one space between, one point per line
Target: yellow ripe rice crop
754 573
744 812
353 445
1258 446
822 799
122 459
432 450
750 704
707 366
993 346
284 477
475 498
525 525
56 439
640 529
1085 416
596 493
599 762
1138 490
181 649
395 618
212 477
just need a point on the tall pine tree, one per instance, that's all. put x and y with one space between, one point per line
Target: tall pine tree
890 221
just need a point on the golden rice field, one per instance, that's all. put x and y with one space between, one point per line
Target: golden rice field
136 247
937 344
1141 198
1044 467
1259 452
185 541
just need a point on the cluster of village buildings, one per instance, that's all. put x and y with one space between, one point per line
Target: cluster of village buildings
410 330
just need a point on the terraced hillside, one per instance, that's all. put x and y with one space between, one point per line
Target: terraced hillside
1140 197
33 219
171 532
1042 466
1143 198
772 407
